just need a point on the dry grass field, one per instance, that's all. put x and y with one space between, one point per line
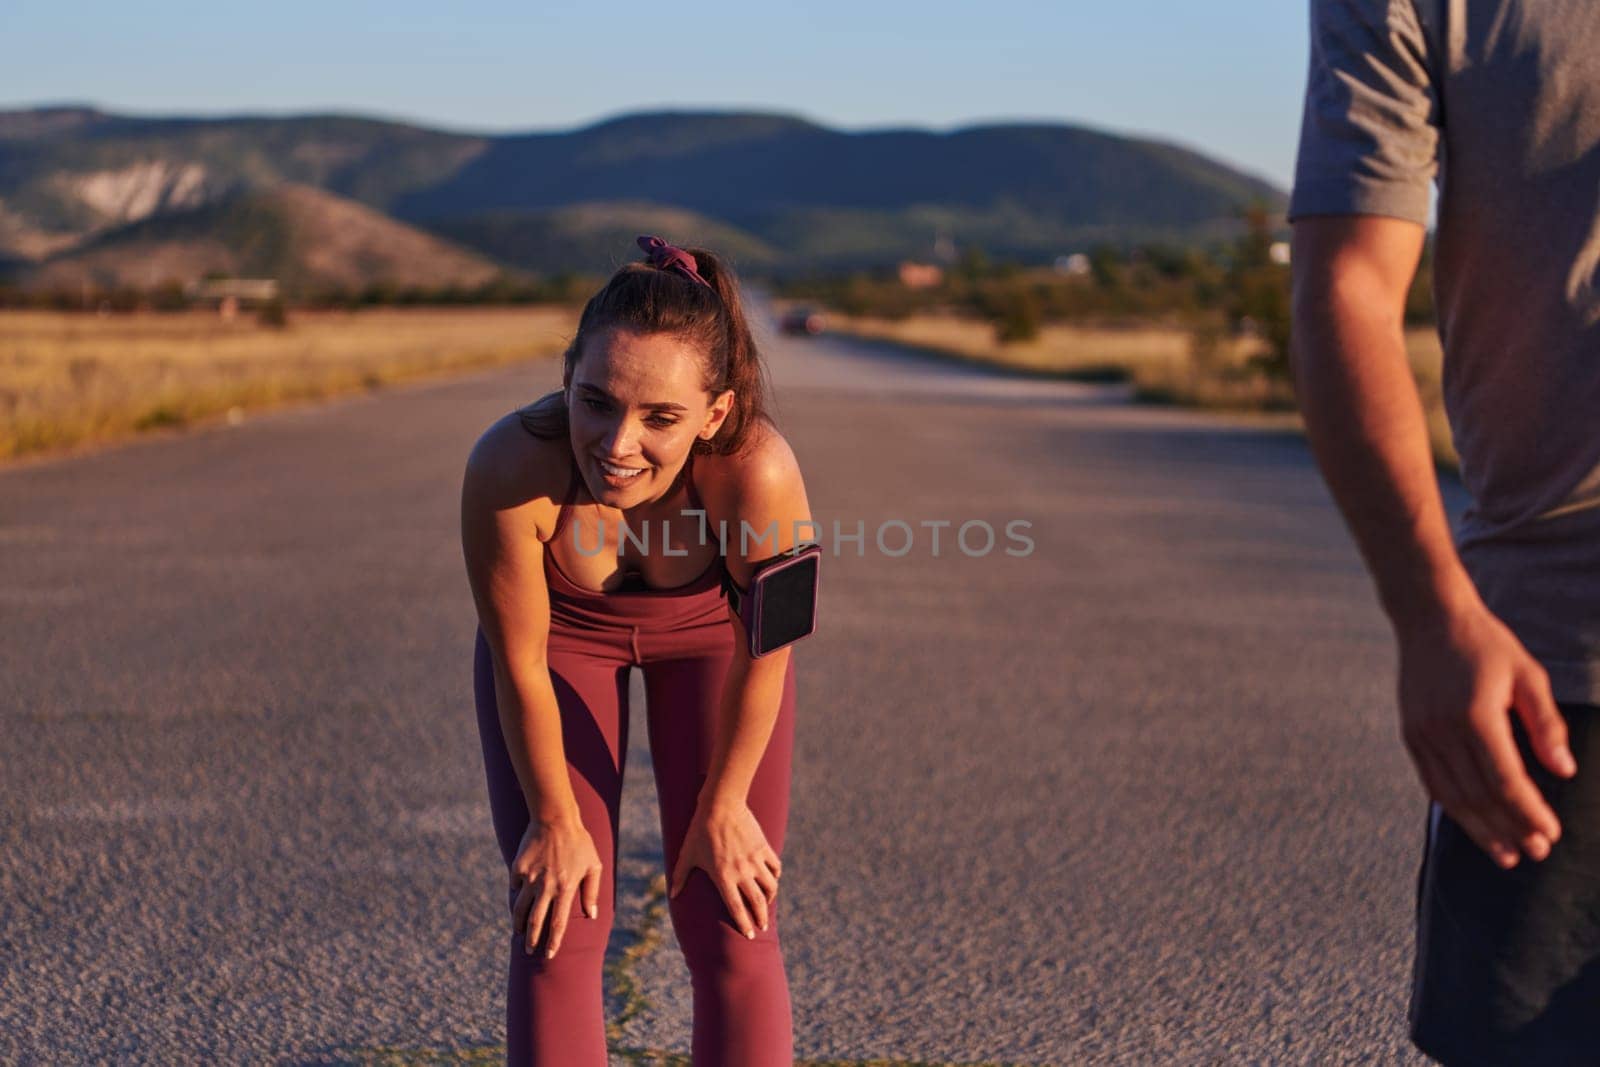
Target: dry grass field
69 379
1067 350
1164 363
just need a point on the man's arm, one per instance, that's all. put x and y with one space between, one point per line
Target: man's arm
1461 670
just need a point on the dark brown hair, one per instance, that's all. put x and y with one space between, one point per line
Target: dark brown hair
650 300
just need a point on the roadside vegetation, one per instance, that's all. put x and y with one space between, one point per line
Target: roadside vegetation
171 295
1198 326
69 379
1202 326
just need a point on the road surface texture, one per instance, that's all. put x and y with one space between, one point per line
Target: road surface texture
1136 796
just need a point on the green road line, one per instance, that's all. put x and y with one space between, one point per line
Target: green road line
485 1055
630 1003
624 988
678 1059
476 1056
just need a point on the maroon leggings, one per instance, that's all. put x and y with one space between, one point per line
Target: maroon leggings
682 640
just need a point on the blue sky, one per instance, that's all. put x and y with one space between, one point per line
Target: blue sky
1224 76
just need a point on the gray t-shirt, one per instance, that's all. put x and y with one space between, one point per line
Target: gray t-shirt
1500 101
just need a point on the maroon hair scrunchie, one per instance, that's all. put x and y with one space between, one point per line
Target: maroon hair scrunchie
671 257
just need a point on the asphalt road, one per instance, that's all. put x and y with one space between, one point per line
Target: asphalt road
1136 796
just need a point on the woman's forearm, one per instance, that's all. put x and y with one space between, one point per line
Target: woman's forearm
751 699
532 732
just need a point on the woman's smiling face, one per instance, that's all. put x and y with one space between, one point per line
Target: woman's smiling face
636 408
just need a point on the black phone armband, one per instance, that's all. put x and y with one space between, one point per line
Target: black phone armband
780 607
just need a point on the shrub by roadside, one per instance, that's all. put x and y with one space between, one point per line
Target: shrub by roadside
1202 366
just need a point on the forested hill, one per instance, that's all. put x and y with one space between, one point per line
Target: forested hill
780 191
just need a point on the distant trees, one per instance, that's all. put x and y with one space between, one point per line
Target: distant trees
1257 291
273 314
1014 309
170 295
1219 290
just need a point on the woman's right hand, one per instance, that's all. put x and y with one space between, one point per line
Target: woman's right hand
555 863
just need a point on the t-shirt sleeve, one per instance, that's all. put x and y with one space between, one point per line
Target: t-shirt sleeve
1369 138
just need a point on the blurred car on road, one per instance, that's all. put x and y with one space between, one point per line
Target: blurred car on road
802 322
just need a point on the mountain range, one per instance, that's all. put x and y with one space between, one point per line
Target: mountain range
343 201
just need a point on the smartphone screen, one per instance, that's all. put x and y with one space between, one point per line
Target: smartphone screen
788 603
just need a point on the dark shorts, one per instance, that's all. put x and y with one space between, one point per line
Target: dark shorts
1508 962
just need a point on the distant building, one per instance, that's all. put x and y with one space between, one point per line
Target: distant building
227 294
1073 266
921 275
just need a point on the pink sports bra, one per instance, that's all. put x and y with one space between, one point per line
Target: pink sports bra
633 580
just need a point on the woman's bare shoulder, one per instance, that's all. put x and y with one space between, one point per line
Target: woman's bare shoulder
509 468
765 466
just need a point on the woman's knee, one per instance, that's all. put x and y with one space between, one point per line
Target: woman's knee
708 937
582 935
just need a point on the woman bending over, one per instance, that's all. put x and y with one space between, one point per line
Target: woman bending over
591 523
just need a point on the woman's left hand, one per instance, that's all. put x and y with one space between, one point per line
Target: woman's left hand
728 844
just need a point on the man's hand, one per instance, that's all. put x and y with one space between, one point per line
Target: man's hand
1462 672
1461 678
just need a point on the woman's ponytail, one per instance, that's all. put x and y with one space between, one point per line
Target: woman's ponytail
744 371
